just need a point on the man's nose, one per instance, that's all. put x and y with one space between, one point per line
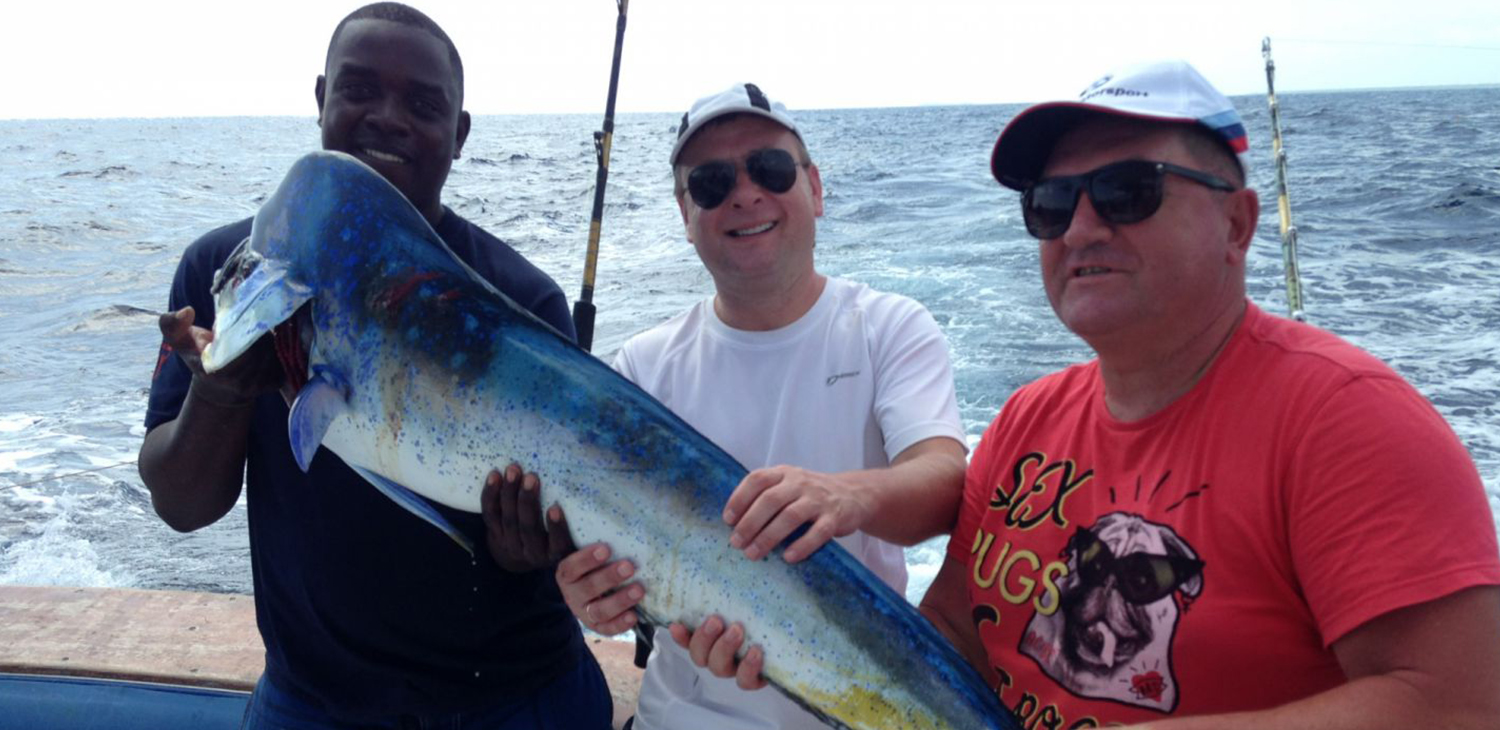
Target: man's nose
1087 227
389 115
746 192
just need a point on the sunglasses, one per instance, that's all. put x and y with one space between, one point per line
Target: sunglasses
1124 192
1140 578
711 182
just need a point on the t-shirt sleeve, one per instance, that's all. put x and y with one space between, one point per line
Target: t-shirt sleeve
979 482
1386 508
553 309
624 364
914 398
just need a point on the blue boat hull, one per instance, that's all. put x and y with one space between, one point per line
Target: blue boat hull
37 702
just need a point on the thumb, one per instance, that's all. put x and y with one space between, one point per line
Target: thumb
559 537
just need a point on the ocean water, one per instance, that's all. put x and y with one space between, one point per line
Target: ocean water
1396 195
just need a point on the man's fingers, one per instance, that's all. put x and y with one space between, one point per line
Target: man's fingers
777 530
721 656
615 612
747 491
574 567
617 625
595 587
510 485
489 501
748 677
766 507
704 638
175 325
816 537
528 505
559 540
681 635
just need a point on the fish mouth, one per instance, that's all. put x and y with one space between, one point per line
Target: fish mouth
252 295
753 230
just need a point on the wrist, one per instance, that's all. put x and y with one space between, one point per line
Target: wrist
203 393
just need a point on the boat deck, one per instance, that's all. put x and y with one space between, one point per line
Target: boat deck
179 638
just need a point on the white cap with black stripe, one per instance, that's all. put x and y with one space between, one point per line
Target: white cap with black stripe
737 99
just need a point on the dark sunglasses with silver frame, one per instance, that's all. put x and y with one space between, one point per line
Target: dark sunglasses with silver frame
772 168
1121 192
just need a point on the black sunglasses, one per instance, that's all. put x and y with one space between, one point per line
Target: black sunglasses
1123 192
1140 578
711 182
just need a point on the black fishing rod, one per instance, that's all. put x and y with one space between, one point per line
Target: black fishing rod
1283 202
583 309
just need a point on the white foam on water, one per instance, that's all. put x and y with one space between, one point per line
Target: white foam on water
57 558
10 460
13 422
922 564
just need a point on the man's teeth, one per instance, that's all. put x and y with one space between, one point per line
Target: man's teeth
762 228
382 156
1091 270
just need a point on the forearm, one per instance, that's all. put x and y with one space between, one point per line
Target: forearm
917 497
194 465
1434 664
946 607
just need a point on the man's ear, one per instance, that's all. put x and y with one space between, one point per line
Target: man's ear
682 208
318 90
463 134
1243 209
817 190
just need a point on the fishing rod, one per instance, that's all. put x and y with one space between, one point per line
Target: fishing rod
583 309
1283 202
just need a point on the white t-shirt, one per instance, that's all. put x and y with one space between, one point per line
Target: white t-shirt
850 385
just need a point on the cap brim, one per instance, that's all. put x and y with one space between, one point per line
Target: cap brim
1026 143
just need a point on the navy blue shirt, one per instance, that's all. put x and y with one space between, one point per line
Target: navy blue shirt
365 609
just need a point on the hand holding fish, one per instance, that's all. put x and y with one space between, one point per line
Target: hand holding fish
595 590
234 386
715 649
767 507
513 525
772 503
195 464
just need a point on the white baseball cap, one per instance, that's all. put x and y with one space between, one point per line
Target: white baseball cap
737 99
1169 91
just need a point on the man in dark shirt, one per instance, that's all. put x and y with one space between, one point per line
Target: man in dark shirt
370 617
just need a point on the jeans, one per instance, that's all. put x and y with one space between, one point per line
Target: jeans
579 699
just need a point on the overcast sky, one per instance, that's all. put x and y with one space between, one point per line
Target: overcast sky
62 58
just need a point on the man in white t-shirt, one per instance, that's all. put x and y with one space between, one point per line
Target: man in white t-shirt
839 397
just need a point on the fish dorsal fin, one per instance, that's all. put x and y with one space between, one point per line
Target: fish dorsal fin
324 398
414 504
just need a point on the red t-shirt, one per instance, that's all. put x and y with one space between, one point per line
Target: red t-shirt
1203 559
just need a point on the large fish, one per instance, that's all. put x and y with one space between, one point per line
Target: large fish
422 377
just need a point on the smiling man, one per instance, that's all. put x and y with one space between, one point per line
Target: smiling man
370 617
1227 519
839 397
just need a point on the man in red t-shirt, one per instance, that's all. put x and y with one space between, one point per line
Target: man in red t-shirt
1228 519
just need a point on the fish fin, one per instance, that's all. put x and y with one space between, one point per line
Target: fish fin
324 398
414 504
266 297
